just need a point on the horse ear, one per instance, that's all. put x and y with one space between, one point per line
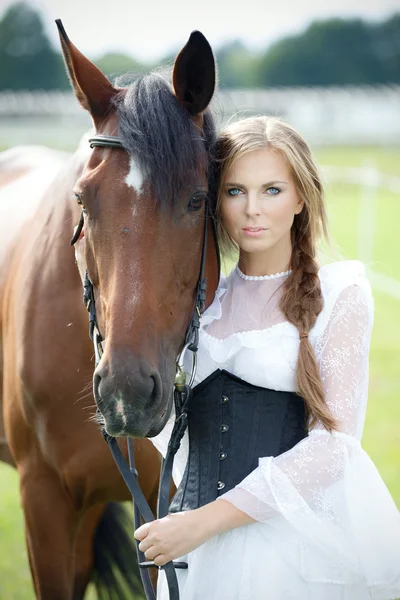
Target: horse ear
92 88
193 77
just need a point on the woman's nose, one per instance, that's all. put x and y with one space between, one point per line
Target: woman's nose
253 207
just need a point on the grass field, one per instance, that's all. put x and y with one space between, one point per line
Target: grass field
382 433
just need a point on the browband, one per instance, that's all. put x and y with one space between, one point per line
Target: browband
105 141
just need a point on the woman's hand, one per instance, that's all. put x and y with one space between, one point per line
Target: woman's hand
173 536
179 533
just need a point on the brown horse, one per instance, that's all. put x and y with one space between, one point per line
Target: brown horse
143 210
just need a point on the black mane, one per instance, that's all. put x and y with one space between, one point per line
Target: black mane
159 133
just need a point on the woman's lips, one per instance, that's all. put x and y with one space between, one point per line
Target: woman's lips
253 231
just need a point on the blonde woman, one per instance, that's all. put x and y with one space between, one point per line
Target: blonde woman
276 498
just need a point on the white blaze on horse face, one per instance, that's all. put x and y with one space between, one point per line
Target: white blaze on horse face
134 179
121 411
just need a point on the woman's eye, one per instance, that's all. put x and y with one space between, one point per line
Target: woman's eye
273 191
196 202
233 191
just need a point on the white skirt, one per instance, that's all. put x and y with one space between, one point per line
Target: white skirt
349 552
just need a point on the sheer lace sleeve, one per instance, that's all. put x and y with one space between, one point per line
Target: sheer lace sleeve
325 489
319 460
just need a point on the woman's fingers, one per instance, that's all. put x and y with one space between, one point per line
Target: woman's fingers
142 531
144 545
151 553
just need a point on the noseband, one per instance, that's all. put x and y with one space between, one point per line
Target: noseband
182 391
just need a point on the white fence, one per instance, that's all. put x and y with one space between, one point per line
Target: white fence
334 115
369 180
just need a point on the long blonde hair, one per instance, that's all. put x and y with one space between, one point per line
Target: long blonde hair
302 300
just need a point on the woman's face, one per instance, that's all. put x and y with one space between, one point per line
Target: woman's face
259 202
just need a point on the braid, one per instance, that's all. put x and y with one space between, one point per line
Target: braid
301 304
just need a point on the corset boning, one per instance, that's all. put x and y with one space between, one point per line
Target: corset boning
232 424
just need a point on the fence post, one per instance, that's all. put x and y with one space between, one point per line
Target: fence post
367 211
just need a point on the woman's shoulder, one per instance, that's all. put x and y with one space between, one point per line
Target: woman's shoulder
343 282
338 276
342 274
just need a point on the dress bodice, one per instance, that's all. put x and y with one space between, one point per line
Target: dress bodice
231 424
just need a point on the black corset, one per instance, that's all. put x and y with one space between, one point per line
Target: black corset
232 424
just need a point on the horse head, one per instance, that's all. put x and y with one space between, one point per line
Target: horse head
143 214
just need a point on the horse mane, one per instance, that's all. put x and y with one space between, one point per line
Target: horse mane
161 136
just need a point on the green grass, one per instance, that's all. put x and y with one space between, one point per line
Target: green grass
382 433
15 580
385 159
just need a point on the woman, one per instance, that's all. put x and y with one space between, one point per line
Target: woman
278 500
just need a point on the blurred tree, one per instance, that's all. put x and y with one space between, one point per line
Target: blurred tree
237 66
117 63
386 43
334 52
27 60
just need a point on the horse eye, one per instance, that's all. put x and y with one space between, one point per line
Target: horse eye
196 201
79 201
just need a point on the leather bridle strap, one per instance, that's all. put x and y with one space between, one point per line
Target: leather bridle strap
192 334
105 141
181 398
130 477
182 392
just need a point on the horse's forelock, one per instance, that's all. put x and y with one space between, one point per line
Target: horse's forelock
162 138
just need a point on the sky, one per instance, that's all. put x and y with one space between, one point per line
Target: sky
150 29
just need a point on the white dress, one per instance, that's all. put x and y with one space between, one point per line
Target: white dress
327 526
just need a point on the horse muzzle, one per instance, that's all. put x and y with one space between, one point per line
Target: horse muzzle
131 398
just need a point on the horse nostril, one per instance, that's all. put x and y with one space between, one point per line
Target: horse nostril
157 390
96 385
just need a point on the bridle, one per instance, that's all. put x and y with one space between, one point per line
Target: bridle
182 392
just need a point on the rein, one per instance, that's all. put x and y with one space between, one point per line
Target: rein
182 392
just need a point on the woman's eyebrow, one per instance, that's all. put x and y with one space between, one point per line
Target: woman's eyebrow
240 185
270 183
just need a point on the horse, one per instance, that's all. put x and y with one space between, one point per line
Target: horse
142 214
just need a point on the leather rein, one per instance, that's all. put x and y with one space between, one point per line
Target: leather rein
182 391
